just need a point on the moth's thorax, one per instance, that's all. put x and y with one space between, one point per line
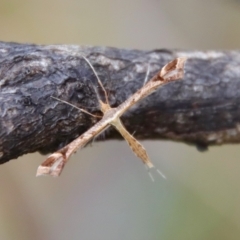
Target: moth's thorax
104 106
110 114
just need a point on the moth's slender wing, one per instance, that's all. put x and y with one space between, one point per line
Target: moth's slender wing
173 70
55 163
136 147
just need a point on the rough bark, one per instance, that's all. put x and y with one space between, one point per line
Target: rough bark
202 109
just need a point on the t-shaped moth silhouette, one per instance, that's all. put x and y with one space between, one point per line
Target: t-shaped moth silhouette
55 163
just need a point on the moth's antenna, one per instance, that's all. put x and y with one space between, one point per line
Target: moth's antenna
147 74
98 79
110 83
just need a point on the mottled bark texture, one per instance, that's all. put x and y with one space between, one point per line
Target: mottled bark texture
202 109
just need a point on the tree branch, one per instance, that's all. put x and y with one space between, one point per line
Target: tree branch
201 109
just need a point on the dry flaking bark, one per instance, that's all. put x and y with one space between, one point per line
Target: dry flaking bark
201 109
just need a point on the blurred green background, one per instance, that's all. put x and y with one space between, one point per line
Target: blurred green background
104 191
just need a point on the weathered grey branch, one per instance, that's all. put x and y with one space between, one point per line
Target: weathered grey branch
201 109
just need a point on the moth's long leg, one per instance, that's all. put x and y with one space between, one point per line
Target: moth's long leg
55 163
81 109
136 147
